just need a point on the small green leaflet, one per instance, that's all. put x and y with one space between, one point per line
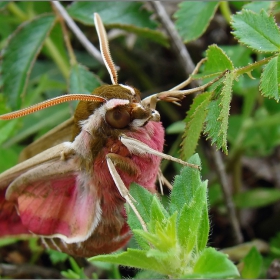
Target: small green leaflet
218 114
193 17
257 31
194 124
270 79
20 54
217 62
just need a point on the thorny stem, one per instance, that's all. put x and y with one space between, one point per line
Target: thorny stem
169 26
79 34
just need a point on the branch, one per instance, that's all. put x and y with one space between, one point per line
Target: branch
79 34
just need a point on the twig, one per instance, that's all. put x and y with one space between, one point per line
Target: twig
176 42
220 167
28 270
80 35
189 67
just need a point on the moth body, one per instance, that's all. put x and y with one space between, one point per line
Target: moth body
67 195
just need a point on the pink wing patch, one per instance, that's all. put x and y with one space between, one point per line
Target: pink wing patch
10 223
56 204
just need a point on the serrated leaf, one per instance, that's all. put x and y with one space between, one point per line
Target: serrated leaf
258 197
257 31
214 264
270 79
82 80
185 185
218 114
189 219
193 17
128 16
134 258
217 61
257 6
252 265
20 54
194 124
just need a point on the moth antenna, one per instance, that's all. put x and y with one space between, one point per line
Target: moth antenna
104 48
49 103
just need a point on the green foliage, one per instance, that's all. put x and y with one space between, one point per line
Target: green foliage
123 15
237 112
176 239
194 124
24 45
193 17
258 197
252 265
257 31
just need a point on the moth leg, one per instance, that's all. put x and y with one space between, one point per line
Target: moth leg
139 148
153 99
122 188
163 181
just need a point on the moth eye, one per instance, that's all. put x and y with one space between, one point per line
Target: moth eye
118 117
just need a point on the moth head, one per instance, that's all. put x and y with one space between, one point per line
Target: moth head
122 109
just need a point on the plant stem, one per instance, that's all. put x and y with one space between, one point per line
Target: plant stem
14 9
225 10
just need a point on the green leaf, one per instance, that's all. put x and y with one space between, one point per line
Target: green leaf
194 124
190 217
193 17
3 4
258 197
176 127
20 54
158 214
218 114
214 264
143 200
128 16
270 79
185 186
257 6
217 62
252 265
82 80
257 31
203 231
134 258
57 257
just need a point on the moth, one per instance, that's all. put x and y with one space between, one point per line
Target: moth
72 193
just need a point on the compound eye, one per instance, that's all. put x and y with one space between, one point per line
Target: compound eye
118 117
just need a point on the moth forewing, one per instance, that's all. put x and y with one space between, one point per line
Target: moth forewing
57 135
57 152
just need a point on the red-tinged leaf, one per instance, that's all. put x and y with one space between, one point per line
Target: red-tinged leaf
20 54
